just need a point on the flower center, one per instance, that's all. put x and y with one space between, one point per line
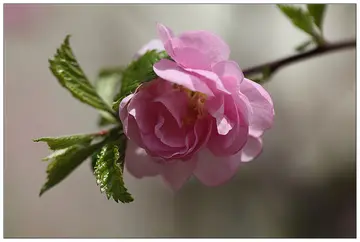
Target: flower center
196 103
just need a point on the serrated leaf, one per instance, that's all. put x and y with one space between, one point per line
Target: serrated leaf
109 173
67 70
62 165
317 11
55 154
139 71
299 17
57 143
303 46
94 158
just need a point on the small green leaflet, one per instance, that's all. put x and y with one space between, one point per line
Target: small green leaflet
263 77
66 69
106 85
139 71
108 171
57 143
299 17
317 11
54 154
64 163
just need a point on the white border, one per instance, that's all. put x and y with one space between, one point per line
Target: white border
185 2
357 122
181 2
2 124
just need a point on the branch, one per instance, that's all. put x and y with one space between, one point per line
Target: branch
275 65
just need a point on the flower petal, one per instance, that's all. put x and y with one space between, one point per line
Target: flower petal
170 71
230 73
168 132
178 172
122 106
143 112
138 163
199 49
130 126
195 49
211 79
214 171
223 124
165 34
262 106
252 149
178 108
235 139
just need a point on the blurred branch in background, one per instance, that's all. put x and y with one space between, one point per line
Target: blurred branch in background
310 21
270 68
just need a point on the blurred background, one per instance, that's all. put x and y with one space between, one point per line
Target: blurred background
303 185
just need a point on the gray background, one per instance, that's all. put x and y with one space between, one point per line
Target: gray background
302 185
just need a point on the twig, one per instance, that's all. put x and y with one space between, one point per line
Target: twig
275 65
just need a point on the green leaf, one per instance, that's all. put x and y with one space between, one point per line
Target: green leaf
299 17
94 158
138 72
107 84
55 154
317 11
304 46
57 143
67 70
109 169
63 164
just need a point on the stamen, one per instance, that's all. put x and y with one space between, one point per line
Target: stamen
196 102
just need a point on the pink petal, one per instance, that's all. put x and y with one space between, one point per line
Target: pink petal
223 124
170 71
204 48
176 108
235 139
194 49
156 148
230 73
178 172
211 79
138 163
129 124
190 57
252 149
196 138
202 131
165 34
168 132
143 111
262 106
214 171
131 130
123 104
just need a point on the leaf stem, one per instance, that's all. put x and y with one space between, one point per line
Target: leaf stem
276 65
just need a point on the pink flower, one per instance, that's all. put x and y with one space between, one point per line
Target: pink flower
199 117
